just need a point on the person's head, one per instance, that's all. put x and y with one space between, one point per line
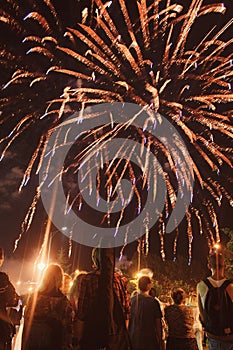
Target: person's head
1 256
216 262
178 296
75 289
193 299
78 279
52 278
144 284
67 283
152 292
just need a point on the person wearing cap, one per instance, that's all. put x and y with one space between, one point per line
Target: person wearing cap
8 298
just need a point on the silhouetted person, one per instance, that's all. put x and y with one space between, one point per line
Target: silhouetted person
48 315
180 320
215 300
67 284
193 303
145 326
8 298
103 306
74 291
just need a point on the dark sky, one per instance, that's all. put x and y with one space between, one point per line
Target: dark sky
14 205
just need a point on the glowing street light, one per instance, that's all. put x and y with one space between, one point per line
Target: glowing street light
217 246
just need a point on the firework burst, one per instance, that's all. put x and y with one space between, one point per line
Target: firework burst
145 53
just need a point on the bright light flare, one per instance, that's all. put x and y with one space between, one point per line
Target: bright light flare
217 246
144 272
41 266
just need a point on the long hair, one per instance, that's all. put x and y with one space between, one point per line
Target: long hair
52 279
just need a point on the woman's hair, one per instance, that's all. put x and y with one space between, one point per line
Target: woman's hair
52 279
67 283
178 295
144 283
1 253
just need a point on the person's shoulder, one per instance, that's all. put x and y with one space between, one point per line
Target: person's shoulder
4 280
134 298
65 301
230 282
229 289
90 277
156 301
92 274
138 296
168 308
188 308
119 277
201 283
54 299
150 300
3 275
201 287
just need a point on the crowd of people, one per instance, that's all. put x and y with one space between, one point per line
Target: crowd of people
94 311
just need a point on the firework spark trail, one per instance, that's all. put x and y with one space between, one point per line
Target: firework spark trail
148 62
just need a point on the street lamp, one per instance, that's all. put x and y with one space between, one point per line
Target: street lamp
217 246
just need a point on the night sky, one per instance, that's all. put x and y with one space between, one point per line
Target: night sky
14 205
